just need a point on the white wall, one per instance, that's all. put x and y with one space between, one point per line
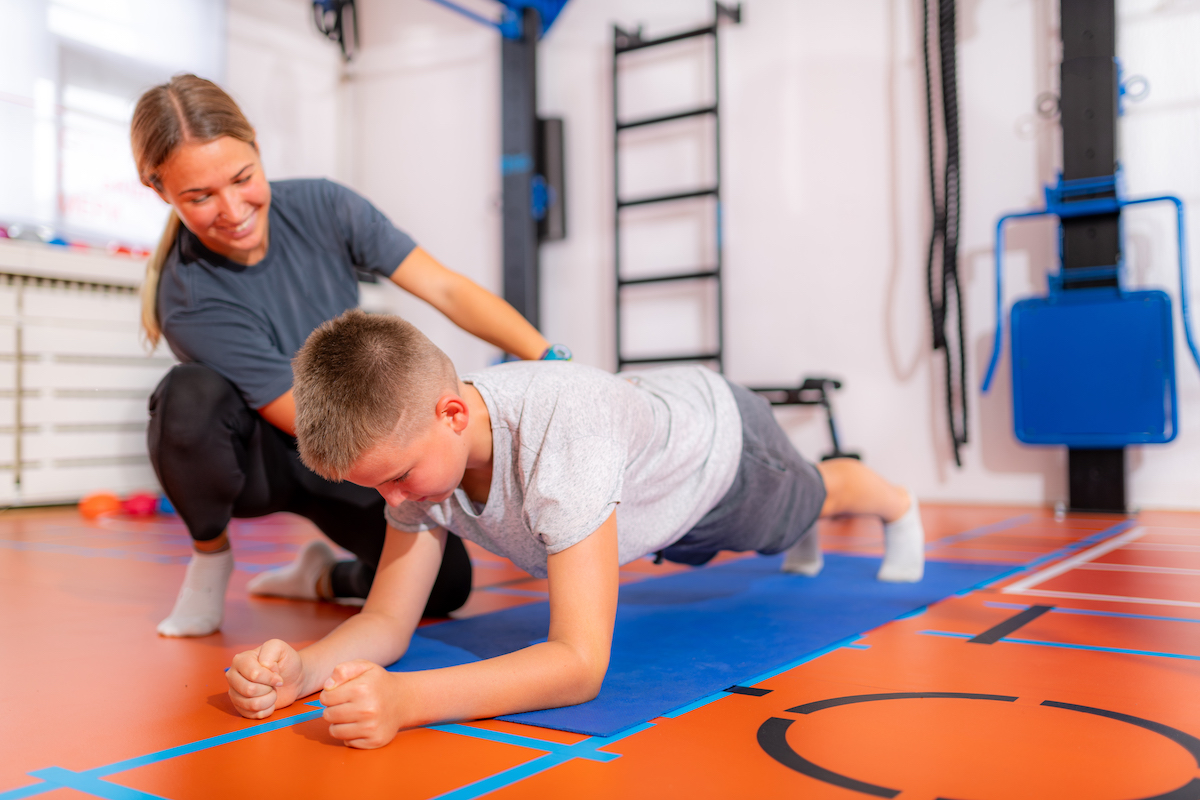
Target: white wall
826 212
286 78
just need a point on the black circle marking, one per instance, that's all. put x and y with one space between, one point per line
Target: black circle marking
809 708
1184 740
772 738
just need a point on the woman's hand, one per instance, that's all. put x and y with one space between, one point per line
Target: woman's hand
265 679
363 704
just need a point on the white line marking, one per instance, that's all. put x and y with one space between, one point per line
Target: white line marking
1068 564
1111 598
1141 568
1162 530
1174 548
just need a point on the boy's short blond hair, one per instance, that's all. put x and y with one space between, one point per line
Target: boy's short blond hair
359 377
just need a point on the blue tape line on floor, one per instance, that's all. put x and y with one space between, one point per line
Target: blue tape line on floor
152 758
83 782
516 592
982 530
28 791
1065 550
537 765
126 555
93 552
521 741
1066 646
1091 612
850 642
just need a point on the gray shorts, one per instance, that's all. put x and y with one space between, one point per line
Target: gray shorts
775 498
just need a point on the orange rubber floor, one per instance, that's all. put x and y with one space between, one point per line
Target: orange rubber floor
1076 676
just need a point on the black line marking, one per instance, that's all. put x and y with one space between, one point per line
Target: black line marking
833 702
1184 740
750 690
1189 791
772 738
1010 625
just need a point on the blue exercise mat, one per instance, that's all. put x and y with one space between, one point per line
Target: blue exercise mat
685 636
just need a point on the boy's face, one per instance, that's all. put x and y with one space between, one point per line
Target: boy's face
427 467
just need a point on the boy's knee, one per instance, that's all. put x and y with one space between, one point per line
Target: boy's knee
838 474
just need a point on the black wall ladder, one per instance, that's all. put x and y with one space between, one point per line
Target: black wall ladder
630 41
812 391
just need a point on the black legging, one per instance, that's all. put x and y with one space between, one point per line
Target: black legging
216 458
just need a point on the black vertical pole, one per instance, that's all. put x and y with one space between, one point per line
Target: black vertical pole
518 142
1088 102
719 210
618 35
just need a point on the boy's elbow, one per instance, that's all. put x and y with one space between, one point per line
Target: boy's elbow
589 678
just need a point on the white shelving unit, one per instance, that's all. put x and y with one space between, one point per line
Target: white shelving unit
74 377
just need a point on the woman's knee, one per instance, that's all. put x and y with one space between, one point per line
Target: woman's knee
191 403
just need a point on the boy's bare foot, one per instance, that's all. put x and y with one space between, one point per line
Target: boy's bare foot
299 579
200 606
804 557
904 547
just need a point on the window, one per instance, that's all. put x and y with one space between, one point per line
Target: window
70 73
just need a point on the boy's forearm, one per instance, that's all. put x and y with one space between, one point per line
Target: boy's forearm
544 675
377 638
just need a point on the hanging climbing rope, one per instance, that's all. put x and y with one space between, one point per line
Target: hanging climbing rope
943 283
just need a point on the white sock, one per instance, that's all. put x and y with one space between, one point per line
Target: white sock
200 606
298 580
904 547
804 557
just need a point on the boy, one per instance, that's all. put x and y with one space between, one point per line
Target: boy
566 470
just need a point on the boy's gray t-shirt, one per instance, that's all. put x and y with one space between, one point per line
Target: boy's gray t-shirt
570 443
247 322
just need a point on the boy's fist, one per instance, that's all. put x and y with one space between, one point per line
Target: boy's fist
264 679
361 704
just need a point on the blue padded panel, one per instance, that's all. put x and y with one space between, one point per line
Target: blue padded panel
687 635
1094 368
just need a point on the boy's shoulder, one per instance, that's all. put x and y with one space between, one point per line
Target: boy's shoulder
541 378
569 390
555 395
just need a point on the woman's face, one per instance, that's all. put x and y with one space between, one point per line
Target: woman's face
221 195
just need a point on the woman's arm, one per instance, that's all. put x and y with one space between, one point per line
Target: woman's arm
469 306
281 412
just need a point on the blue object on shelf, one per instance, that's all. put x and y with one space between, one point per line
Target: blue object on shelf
1094 368
164 505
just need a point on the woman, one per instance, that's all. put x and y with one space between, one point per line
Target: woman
235 290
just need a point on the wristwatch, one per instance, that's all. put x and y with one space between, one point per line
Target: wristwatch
557 352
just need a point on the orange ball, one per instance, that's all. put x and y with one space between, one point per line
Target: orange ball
98 504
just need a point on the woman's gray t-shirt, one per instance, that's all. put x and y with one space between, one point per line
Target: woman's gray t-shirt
570 443
247 323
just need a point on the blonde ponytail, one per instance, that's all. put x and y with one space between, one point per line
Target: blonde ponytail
151 325
185 109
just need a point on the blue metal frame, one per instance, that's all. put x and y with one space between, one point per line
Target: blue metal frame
1059 203
509 23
